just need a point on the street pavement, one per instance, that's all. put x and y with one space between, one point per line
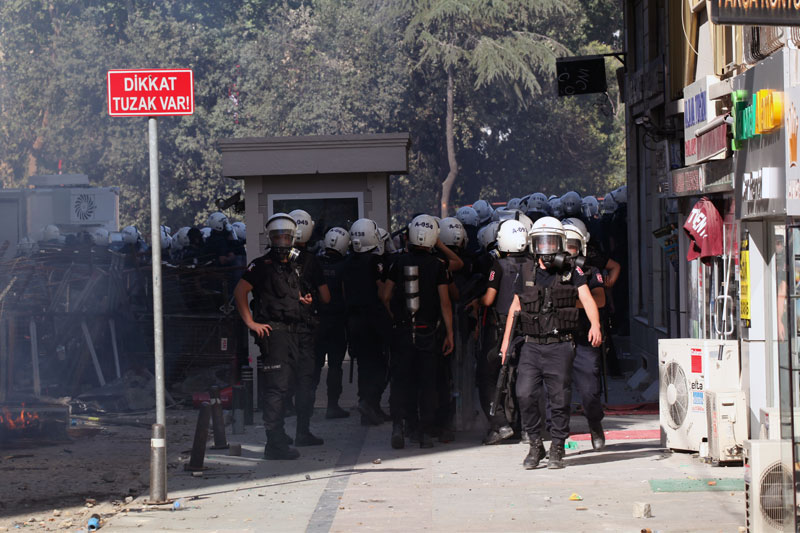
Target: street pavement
357 482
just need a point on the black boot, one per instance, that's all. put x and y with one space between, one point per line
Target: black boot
598 436
535 454
368 415
398 438
525 437
496 436
556 459
277 449
425 440
306 438
334 411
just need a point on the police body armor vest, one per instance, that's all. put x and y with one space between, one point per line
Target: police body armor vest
549 310
278 299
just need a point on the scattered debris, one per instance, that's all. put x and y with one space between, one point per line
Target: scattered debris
642 510
308 476
581 508
376 461
575 497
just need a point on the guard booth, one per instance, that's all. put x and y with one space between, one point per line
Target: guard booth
336 178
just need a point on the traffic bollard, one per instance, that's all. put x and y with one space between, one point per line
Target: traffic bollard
238 410
218 420
200 438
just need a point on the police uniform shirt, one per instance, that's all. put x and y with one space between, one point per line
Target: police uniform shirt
544 278
311 271
432 274
362 271
496 277
332 266
217 245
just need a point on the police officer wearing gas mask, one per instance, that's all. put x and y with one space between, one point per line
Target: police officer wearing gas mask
547 322
416 295
274 323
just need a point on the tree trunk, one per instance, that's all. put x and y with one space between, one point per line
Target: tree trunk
447 184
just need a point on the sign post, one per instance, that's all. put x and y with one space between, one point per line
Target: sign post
154 93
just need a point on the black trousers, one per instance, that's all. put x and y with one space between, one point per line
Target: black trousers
487 369
284 367
331 341
587 381
414 370
550 366
367 346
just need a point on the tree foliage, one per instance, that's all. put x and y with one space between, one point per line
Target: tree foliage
301 67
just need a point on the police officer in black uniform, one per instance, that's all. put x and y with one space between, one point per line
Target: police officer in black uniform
362 279
587 368
416 295
274 323
504 281
547 319
331 339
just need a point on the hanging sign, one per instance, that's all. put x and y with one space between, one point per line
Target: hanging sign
581 75
744 282
756 12
150 92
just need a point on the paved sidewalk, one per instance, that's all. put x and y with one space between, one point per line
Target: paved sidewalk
357 482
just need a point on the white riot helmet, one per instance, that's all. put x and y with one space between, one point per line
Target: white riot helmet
130 235
514 203
282 232
555 208
620 195
590 207
305 225
181 238
217 221
571 204
337 239
166 240
378 250
487 235
206 232
364 235
386 244
483 209
512 236
423 231
240 230
547 237
577 236
609 204
452 232
100 237
537 203
468 216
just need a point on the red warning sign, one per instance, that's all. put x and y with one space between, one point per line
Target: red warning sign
150 92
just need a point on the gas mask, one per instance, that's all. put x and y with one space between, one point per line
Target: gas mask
562 262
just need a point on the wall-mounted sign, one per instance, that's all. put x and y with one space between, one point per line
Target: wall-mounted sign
581 75
756 12
759 114
686 181
698 110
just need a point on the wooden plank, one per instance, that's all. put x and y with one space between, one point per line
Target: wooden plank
90 345
113 329
37 382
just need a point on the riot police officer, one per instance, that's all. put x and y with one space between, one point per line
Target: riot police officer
504 281
586 371
547 317
331 340
362 279
416 295
274 323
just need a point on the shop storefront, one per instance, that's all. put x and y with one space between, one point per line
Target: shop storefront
765 99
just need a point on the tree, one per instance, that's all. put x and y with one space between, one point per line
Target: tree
493 41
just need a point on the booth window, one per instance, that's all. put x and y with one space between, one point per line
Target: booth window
326 212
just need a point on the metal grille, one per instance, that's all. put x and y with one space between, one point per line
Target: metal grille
761 41
773 485
675 378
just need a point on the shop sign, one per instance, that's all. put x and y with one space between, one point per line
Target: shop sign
712 143
744 282
686 181
756 12
792 164
760 114
698 110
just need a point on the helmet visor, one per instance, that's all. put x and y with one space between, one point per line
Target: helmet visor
546 244
281 238
574 246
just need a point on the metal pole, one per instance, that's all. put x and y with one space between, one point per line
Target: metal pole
158 467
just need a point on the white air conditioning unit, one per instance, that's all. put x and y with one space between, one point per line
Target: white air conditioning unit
727 417
771 422
682 385
721 365
769 503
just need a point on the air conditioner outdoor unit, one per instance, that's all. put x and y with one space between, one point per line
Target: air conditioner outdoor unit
682 405
727 417
771 421
768 485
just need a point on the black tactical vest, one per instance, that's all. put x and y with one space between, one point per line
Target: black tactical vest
549 310
515 271
277 299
